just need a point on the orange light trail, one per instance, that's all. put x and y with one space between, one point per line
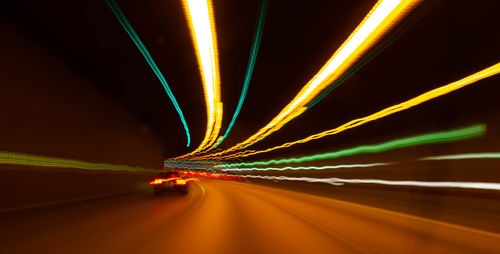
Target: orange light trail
488 72
381 18
199 14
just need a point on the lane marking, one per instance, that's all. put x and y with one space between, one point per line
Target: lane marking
202 190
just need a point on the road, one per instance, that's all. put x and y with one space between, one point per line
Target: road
233 217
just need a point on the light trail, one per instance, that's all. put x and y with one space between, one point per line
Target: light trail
137 41
311 167
199 14
488 72
402 28
430 138
20 159
341 181
225 167
381 18
251 63
464 156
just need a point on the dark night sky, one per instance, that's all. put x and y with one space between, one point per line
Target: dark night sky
451 40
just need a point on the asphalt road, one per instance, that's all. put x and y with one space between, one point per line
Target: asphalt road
233 217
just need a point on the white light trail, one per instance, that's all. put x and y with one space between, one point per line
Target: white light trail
340 181
309 167
463 156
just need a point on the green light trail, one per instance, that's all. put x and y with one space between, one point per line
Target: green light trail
251 63
137 41
10 158
430 138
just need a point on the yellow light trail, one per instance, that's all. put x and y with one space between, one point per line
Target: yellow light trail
199 14
381 18
488 72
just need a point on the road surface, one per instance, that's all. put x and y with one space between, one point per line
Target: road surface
233 217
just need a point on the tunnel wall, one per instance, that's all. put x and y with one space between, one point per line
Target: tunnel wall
25 188
49 109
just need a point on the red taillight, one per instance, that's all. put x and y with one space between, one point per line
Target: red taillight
181 182
185 181
178 181
156 182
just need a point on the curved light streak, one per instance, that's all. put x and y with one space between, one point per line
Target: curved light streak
199 14
137 41
374 52
488 72
381 18
430 138
251 63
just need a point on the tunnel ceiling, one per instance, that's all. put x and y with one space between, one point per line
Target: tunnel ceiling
448 40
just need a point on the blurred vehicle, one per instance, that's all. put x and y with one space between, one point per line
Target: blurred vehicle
171 181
